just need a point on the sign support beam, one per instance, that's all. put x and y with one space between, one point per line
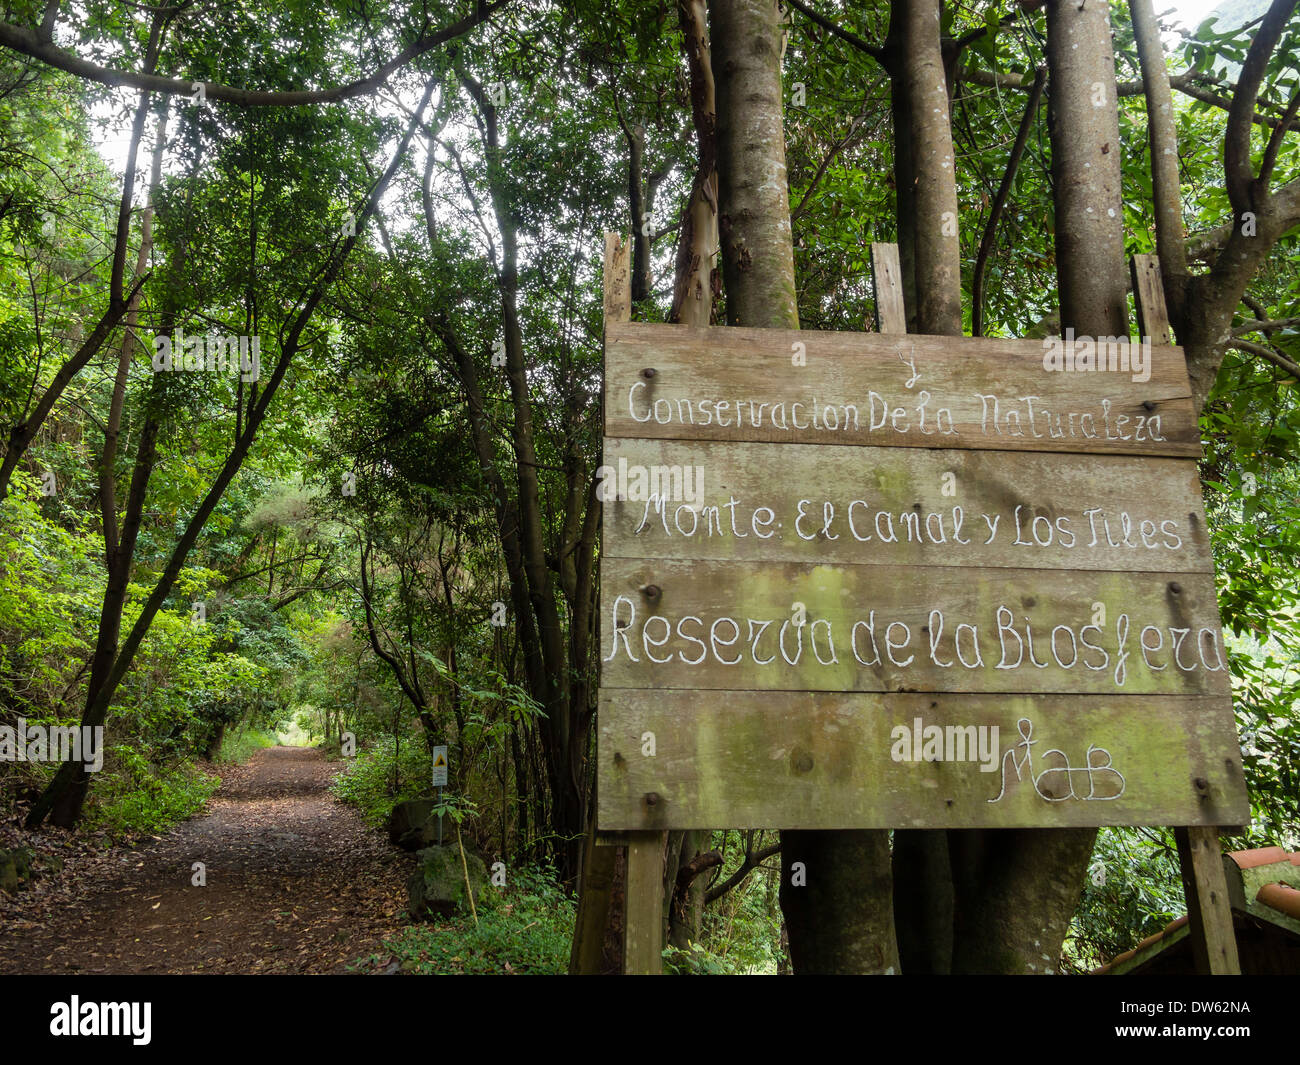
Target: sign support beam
1209 911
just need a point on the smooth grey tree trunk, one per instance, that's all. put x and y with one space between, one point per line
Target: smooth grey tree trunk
840 920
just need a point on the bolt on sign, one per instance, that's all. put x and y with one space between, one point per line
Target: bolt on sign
868 581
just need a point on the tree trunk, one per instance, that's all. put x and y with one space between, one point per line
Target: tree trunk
1016 891
1162 137
214 744
697 249
66 808
566 724
932 213
927 226
754 206
684 906
693 305
1083 122
639 206
841 919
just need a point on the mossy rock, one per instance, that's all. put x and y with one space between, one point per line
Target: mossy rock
8 873
437 886
19 867
23 859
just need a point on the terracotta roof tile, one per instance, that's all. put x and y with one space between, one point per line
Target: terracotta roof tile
1172 926
1281 897
1119 959
1260 856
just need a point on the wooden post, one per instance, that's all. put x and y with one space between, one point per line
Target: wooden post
596 886
595 893
1209 910
891 315
1149 296
643 921
618 279
643 895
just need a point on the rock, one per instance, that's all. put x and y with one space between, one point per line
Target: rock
16 869
406 822
437 886
427 834
22 858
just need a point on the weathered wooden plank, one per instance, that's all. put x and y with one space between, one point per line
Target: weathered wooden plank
825 760
595 897
644 919
675 382
795 626
618 279
1149 297
1209 913
891 315
828 503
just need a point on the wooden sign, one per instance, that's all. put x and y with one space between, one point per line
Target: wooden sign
869 581
782 386
748 626
881 506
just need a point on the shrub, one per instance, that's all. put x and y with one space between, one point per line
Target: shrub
525 927
149 798
368 782
239 746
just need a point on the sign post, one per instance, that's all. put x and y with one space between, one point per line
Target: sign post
440 780
880 580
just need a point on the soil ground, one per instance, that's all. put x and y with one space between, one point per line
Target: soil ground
296 883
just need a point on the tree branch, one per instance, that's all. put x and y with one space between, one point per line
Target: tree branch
1244 193
1275 143
688 872
1264 325
875 51
1000 200
753 859
1187 84
1166 185
29 42
1268 354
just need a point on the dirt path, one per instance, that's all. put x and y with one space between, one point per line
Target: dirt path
296 883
